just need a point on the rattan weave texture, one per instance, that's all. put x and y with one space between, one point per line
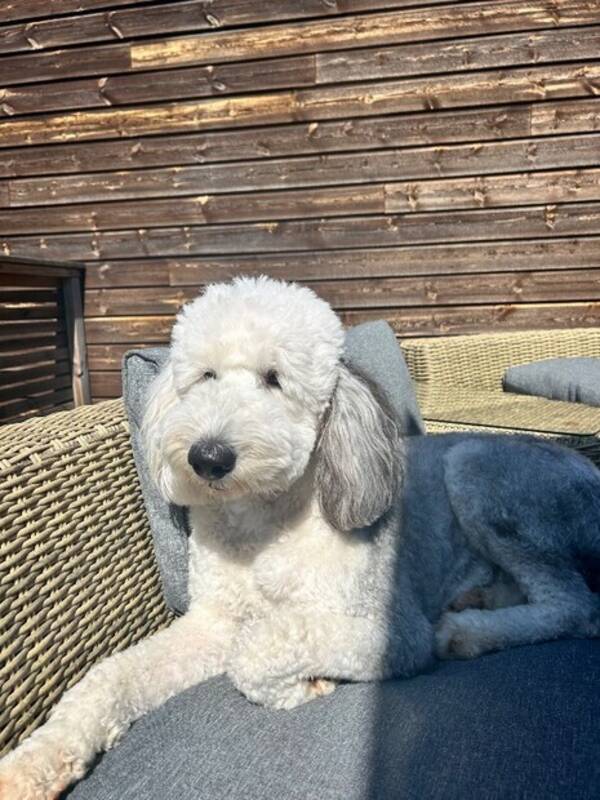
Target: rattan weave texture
479 361
77 573
505 410
459 385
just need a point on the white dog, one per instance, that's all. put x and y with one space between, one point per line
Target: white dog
324 547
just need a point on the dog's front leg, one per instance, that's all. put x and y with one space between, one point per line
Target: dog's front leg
289 657
95 712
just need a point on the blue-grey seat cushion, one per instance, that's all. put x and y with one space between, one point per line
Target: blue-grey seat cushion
517 725
371 348
574 379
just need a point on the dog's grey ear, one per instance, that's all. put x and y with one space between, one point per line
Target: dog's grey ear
357 464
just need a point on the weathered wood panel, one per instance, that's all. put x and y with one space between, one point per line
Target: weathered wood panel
174 17
557 186
344 232
479 158
436 164
136 331
474 319
481 125
315 36
302 71
205 209
455 20
151 87
28 9
474 89
380 262
525 287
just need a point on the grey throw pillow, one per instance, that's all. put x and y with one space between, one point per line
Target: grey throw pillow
371 348
573 379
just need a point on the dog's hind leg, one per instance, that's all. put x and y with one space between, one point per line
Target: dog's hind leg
94 713
530 508
559 605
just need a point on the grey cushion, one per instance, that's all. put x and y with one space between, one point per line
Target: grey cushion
574 379
510 726
371 348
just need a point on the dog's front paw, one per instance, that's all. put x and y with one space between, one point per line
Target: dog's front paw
38 771
455 638
282 693
272 664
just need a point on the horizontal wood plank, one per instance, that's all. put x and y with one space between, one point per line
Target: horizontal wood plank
569 219
391 27
106 384
103 357
530 286
16 333
508 256
142 272
571 44
51 379
129 330
293 139
203 209
406 322
482 124
459 55
411 25
30 9
356 100
474 319
162 19
332 169
14 346
39 403
557 186
24 358
22 310
46 272
152 87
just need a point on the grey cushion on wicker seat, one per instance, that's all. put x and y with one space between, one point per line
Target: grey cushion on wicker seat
511 725
371 348
574 379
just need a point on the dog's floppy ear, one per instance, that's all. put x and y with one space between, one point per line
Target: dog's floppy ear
358 463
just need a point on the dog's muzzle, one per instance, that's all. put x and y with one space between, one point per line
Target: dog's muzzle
211 460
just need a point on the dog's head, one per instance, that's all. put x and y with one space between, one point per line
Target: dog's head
254 387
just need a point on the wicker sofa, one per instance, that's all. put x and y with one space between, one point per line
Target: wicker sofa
77 574
458 381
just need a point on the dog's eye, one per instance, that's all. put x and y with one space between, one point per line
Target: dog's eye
272 379
208 375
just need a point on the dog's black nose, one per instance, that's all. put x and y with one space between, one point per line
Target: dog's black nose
211 459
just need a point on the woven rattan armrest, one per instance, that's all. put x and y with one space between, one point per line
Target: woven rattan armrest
78 578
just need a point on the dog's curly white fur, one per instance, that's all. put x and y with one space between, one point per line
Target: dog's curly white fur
329 548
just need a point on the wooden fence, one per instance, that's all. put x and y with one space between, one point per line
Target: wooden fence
432 163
